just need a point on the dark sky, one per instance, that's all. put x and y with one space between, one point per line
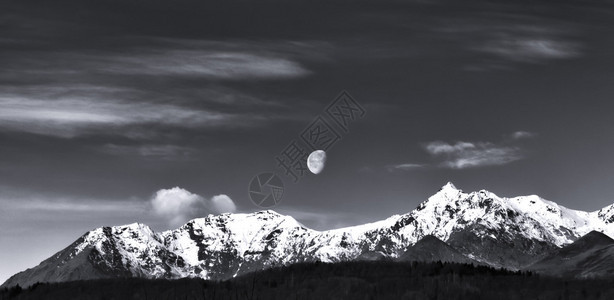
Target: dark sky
106 106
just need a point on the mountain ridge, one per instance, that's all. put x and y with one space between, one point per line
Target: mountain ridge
497 231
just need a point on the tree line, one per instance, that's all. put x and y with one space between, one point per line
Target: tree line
346 280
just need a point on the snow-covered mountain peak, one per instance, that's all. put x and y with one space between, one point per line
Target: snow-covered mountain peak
446 193
133 227
134 230
531 217
449 187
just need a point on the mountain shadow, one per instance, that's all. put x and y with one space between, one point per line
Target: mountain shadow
432 249
590 256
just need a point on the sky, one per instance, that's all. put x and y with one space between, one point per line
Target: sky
114 112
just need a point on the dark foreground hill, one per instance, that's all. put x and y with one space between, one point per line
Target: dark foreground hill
590 256
432 249
349 280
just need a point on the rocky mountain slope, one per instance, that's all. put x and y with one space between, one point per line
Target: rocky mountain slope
432 249
590 256
508 232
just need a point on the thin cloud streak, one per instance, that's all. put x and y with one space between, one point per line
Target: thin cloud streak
405 167
53 204
70 93
209 64
504 40
172 58
73 115
463 155
148 151
530 50
175 206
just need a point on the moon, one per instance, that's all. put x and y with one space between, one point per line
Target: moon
316 161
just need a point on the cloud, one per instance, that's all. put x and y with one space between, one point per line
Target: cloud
166 152
122 89
520 135
173 58
68 205
222 203
177 205
405 167
462 155
503 40
172 206
73 111
227 65
445 148
530 49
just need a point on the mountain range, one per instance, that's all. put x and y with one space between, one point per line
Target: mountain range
525 232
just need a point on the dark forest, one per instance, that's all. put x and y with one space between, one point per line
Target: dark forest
348 280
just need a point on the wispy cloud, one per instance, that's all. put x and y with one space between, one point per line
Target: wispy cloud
75 206
405 167
462 155
175 83
19 202
503 40
210 64
520 135
72 117
172 206
530 49
166 152
72 111
168 58
437 148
